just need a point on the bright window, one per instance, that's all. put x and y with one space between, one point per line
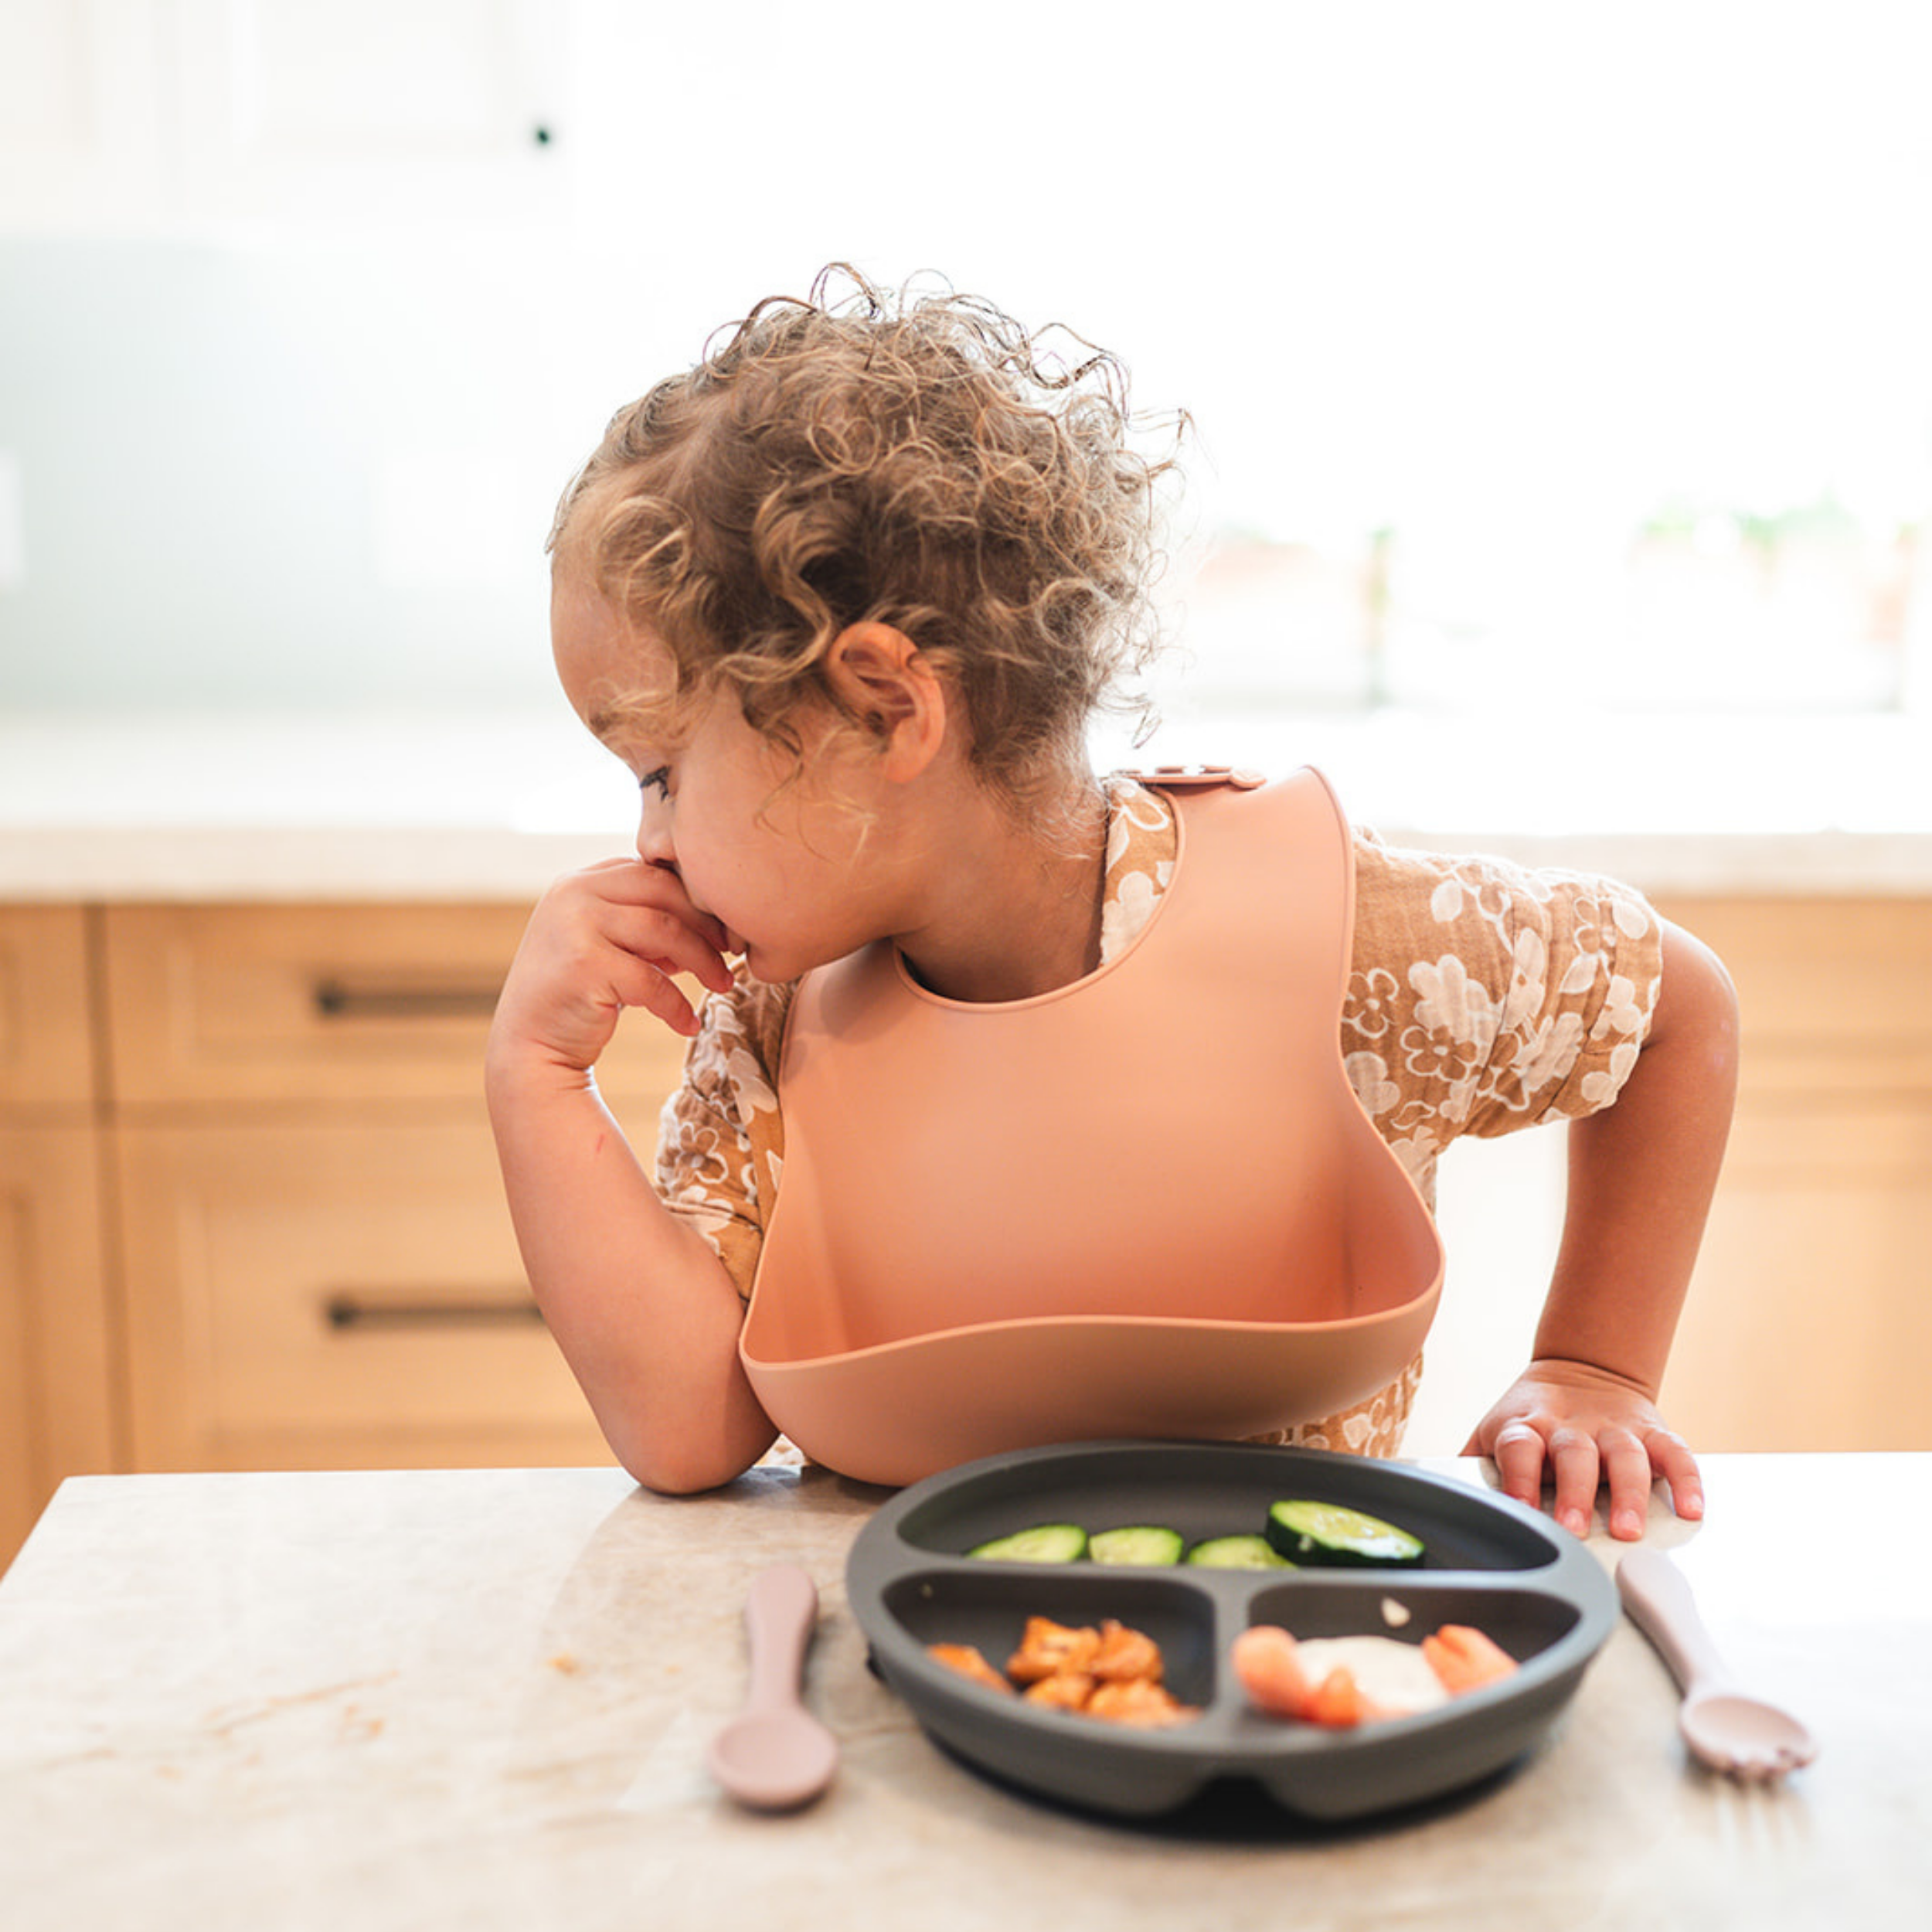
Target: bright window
1538 353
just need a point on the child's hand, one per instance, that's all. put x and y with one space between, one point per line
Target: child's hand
1577 1427
600 940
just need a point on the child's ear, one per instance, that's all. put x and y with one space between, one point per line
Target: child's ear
882 677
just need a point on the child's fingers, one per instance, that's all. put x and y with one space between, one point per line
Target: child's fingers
1578 1465
631 982
1671 1459
661 940
695 940
1626 1473
1517 1450
604 939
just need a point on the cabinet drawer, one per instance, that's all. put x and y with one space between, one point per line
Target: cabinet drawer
1832 992
47 1051
305 1296
326 1003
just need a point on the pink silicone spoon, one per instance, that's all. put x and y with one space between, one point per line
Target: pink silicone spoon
1744 1737
775 1755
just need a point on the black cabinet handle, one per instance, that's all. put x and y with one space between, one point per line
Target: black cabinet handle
343 999
349 1308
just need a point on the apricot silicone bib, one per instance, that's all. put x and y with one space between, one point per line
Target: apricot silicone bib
1165 1148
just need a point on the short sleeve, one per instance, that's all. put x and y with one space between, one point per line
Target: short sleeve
1484 996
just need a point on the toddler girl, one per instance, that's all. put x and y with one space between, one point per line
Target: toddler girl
847 597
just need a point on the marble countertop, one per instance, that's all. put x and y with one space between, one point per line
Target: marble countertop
455 808
481 1699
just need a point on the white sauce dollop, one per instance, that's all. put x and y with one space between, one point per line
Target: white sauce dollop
1393 1676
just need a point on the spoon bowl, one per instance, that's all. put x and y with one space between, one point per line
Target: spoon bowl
775 1756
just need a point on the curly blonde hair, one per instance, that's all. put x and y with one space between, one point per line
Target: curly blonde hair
923 461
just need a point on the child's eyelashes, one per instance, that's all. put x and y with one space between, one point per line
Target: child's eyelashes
660 777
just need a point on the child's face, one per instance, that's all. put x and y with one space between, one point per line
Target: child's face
793 878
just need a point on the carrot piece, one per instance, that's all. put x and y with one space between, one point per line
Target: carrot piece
1266 1660
1464 1659
1338 1701
968 1662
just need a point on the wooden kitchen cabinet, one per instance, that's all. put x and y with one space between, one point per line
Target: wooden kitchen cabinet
319 1269
249 1210
1809 1326
47 1066
57 1390
330 1294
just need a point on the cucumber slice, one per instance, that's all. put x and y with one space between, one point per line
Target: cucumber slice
1047 1543
1326 1532
1150 1544
1238 1552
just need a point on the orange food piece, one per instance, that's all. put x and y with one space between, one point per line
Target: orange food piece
1267 1661
1338 1701
1139 1701
1125 1654
1464 1659
1068 1690
1048 1649
1113 1672
968 1662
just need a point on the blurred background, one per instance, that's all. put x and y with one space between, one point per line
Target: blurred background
1540 358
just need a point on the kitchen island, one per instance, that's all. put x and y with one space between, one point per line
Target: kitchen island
481 1699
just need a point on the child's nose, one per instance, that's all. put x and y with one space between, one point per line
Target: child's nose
655 845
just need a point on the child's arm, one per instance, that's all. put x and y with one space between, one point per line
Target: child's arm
646 1315
1641 1175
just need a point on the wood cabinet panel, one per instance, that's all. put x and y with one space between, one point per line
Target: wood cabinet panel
1810 1326
58 1391
57 1385
217 1005
1833 992
46 1057
334 1295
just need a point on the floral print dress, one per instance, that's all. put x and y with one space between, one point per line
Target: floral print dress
1482 997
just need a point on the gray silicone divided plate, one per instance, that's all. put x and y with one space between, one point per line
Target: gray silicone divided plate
1489 1561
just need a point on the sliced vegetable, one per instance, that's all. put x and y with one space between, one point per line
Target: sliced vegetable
1465 1659
1327 1533
1047 1543
1149 1544
1267 1660
1337 1700
1238 1552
